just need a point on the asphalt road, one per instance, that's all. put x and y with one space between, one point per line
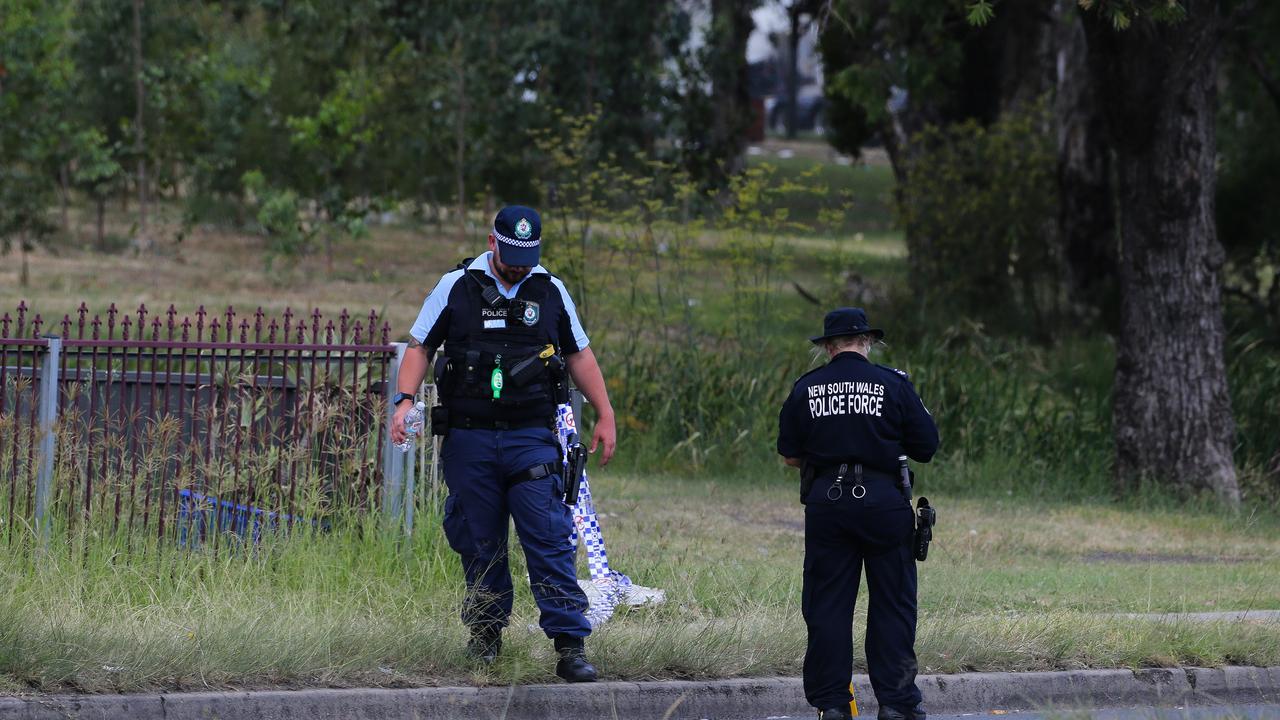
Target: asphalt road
1225 712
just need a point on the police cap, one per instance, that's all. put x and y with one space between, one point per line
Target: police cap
518 231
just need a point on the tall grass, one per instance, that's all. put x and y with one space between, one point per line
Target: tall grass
1009 586
1254 375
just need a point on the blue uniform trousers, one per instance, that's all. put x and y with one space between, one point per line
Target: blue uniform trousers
840 537
477 468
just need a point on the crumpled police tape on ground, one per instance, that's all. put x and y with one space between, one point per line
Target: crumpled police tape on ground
607 588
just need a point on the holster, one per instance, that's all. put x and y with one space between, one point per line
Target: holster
577 464
926 518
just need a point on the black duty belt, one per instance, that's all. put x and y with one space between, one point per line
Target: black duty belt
866 473
859 472
469 423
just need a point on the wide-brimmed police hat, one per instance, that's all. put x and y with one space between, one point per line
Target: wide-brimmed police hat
846 321
518 231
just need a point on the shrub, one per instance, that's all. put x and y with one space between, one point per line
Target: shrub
979 204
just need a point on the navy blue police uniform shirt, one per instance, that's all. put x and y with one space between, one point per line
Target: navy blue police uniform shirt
853 410
442 314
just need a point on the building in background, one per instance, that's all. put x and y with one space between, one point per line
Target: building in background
769 71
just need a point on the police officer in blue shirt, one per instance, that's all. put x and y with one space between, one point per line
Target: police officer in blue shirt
511 334
845 425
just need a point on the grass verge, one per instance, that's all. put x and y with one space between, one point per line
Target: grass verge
1010 585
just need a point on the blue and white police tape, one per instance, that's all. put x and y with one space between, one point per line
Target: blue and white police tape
607 587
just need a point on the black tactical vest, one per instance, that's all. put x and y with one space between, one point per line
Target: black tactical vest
518 336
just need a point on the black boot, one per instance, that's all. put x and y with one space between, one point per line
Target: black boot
485 642
573 665
915 713
835 714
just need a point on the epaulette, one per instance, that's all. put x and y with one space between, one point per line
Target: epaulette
802 377
903 373
466 263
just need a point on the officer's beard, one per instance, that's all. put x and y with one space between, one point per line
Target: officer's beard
511 275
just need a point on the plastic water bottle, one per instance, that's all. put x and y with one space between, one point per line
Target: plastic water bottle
413 424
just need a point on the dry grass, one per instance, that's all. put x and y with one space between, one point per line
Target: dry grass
1016 593
393 268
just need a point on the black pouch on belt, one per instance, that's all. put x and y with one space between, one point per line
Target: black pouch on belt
808 472
471 372
440 420
443 369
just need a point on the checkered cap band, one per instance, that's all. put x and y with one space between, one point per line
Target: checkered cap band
515 242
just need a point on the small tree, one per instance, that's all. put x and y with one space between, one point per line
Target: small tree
97 173
35 71
278 213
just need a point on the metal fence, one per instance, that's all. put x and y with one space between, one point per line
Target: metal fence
192 427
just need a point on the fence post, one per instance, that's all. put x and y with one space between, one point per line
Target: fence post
410 474
392 459
433 447
48 416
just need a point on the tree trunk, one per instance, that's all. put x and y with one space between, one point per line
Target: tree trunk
1086 213
24 273
906 118
142 242
731 25
102 211
1026 44
460 137
793 71
1171 410
64 195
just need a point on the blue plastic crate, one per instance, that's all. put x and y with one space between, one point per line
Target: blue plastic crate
201 515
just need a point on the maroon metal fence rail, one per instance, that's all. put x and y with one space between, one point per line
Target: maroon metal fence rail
282 415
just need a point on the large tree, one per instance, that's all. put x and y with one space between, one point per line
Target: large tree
1155 67
35 73
1134 100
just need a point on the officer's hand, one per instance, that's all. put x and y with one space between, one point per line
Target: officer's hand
397 423
605 432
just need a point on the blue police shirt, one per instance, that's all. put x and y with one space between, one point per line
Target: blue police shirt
852 410
432 326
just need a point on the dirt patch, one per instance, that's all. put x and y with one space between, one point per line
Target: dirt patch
772 521
1160 559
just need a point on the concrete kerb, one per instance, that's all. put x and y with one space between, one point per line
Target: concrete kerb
675 700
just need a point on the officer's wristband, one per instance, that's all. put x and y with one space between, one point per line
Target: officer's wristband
400 397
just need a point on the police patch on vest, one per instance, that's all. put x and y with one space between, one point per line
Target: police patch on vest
846 398
531 314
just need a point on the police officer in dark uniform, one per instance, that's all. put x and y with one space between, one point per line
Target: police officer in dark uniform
845 425
512 339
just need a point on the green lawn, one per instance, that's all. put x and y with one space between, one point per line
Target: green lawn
862 193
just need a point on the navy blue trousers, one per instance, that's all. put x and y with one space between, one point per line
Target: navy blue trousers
840 538
477 464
